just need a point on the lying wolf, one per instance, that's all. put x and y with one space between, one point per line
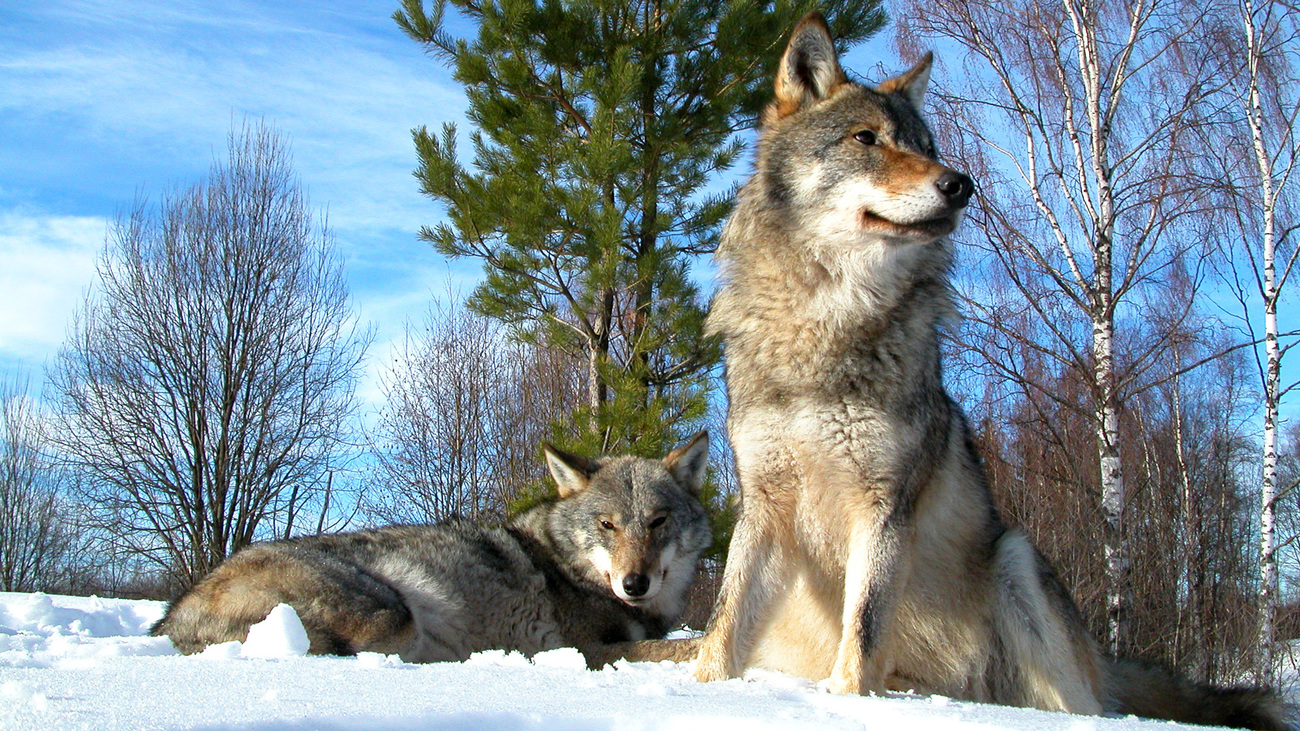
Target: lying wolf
868 551
611 560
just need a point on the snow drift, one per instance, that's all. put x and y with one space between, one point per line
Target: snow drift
88 663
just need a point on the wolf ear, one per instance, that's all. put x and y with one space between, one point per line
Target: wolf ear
911 84
572 473
809 69
687 462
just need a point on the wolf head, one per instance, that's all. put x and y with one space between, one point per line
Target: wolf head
847 193
635 525
857 159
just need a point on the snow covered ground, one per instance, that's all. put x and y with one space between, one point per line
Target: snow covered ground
76 662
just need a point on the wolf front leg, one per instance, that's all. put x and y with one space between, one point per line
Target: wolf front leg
755 568
864 662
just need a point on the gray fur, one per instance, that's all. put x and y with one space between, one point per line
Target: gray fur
868 551
551 578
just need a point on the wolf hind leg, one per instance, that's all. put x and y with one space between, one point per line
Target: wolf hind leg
1051 660
343 609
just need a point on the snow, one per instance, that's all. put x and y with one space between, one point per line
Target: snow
280 635
87 663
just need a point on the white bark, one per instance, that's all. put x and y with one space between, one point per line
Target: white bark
1112 485
1273 354
1100 99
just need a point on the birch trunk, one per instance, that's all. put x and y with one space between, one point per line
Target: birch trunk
1193 652
1268 482
1269 288
1112 485
1100 101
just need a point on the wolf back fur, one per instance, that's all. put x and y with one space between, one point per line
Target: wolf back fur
611 560
868 551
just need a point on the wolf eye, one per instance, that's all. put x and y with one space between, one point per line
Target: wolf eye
866 137
658 521
606 525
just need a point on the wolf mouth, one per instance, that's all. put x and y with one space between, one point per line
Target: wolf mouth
932 228
638 601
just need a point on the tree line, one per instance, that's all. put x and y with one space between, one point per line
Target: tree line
1120 270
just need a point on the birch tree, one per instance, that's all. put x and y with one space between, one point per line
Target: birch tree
1073 119
1255 151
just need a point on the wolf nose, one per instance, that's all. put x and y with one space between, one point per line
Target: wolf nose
957 188
636 584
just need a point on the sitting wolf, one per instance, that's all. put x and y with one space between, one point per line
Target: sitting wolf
611 560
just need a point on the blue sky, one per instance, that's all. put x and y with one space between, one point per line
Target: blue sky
102 100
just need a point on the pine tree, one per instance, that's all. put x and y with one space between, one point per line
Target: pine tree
600 127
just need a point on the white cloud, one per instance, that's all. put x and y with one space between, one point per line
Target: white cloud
119 96
159 89
46 264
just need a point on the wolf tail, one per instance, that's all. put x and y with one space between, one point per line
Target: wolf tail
1154 692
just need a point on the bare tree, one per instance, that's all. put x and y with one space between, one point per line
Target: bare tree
38 535
1186 448
211 373
1074 118
1190 445
468 408
1252 151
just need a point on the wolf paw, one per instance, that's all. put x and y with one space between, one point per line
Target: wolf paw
850 685
841 686
709 667
708 673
